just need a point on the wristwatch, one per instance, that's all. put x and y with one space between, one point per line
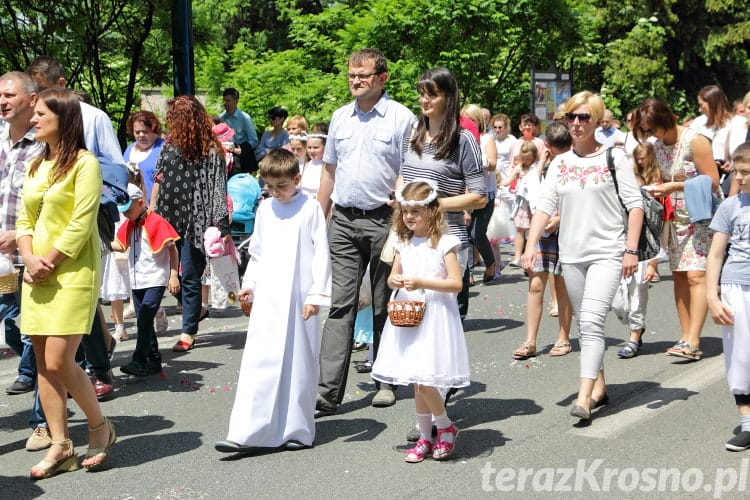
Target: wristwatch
631 252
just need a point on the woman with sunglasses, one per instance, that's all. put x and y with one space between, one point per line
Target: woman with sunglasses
682 153
597 247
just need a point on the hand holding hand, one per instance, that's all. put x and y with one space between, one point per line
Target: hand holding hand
309 310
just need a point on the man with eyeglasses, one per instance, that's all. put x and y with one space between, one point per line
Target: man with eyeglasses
362 160
607 135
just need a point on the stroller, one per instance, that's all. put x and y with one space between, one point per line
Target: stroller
245 193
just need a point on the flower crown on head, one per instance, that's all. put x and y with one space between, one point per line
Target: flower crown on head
317 136
299 137
432 196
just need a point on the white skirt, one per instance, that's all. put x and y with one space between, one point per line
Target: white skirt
736 338
115 278
432 354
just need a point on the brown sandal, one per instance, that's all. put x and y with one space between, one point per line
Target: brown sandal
525 351
561 349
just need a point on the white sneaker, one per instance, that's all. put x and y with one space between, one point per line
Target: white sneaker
161 323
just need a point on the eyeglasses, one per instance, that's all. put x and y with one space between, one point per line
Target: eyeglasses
352 76
582 117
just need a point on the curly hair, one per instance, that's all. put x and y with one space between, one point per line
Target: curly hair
436 220
66 106
191 128
150 120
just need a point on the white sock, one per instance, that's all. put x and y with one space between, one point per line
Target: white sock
442 421
424 424
745 421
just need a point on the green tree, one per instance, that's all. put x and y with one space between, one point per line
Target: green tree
107 48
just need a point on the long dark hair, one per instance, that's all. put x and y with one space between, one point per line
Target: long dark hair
66 106
432 81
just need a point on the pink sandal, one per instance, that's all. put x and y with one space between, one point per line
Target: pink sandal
444 449
421 450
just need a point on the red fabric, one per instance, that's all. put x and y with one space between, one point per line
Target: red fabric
668 213
158 231
469 125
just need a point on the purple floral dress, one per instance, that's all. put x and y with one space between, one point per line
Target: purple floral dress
687 243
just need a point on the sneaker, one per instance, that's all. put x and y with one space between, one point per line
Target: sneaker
138 369
161 323
740 442
39 439
19 387
384 398
103 387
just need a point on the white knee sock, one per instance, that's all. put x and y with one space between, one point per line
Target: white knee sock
424 423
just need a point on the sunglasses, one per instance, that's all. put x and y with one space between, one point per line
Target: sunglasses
582 117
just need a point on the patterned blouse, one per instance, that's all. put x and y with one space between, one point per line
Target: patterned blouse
192 196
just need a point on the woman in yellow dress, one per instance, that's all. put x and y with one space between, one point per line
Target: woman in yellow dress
59 244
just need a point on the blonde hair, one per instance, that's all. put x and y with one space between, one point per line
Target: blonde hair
297 120
474 113
649 172
587 98
528 147
420 191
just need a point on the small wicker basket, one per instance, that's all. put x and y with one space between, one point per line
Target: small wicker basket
406 313
9 283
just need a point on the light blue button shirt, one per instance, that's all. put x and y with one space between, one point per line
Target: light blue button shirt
365 147
242 124
99 135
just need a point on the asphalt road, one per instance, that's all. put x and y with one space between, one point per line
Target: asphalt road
662 436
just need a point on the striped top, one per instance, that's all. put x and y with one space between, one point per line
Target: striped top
460 173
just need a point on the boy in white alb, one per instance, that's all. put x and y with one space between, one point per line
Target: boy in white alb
288 279
153 264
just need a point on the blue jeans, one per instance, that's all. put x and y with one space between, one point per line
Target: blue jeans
193 262
146 302
21 344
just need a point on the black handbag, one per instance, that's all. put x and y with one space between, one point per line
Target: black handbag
649 242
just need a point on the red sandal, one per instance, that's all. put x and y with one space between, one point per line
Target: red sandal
444 449
421 450
182 346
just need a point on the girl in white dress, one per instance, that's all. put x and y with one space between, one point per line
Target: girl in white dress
432 355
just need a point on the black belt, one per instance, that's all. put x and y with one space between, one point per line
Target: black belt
358 212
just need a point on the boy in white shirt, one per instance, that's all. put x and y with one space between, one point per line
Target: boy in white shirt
153 265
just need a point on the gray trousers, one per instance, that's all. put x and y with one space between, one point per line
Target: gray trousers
354 241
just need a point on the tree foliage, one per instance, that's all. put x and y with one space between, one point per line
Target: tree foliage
293 52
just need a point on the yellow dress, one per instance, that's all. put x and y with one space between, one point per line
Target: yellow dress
65 303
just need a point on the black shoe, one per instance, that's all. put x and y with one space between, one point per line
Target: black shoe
231 447
295 445
138 369
323 407
448 395
19 387
363 367
740 442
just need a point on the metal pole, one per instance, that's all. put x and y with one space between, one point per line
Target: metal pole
182 47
